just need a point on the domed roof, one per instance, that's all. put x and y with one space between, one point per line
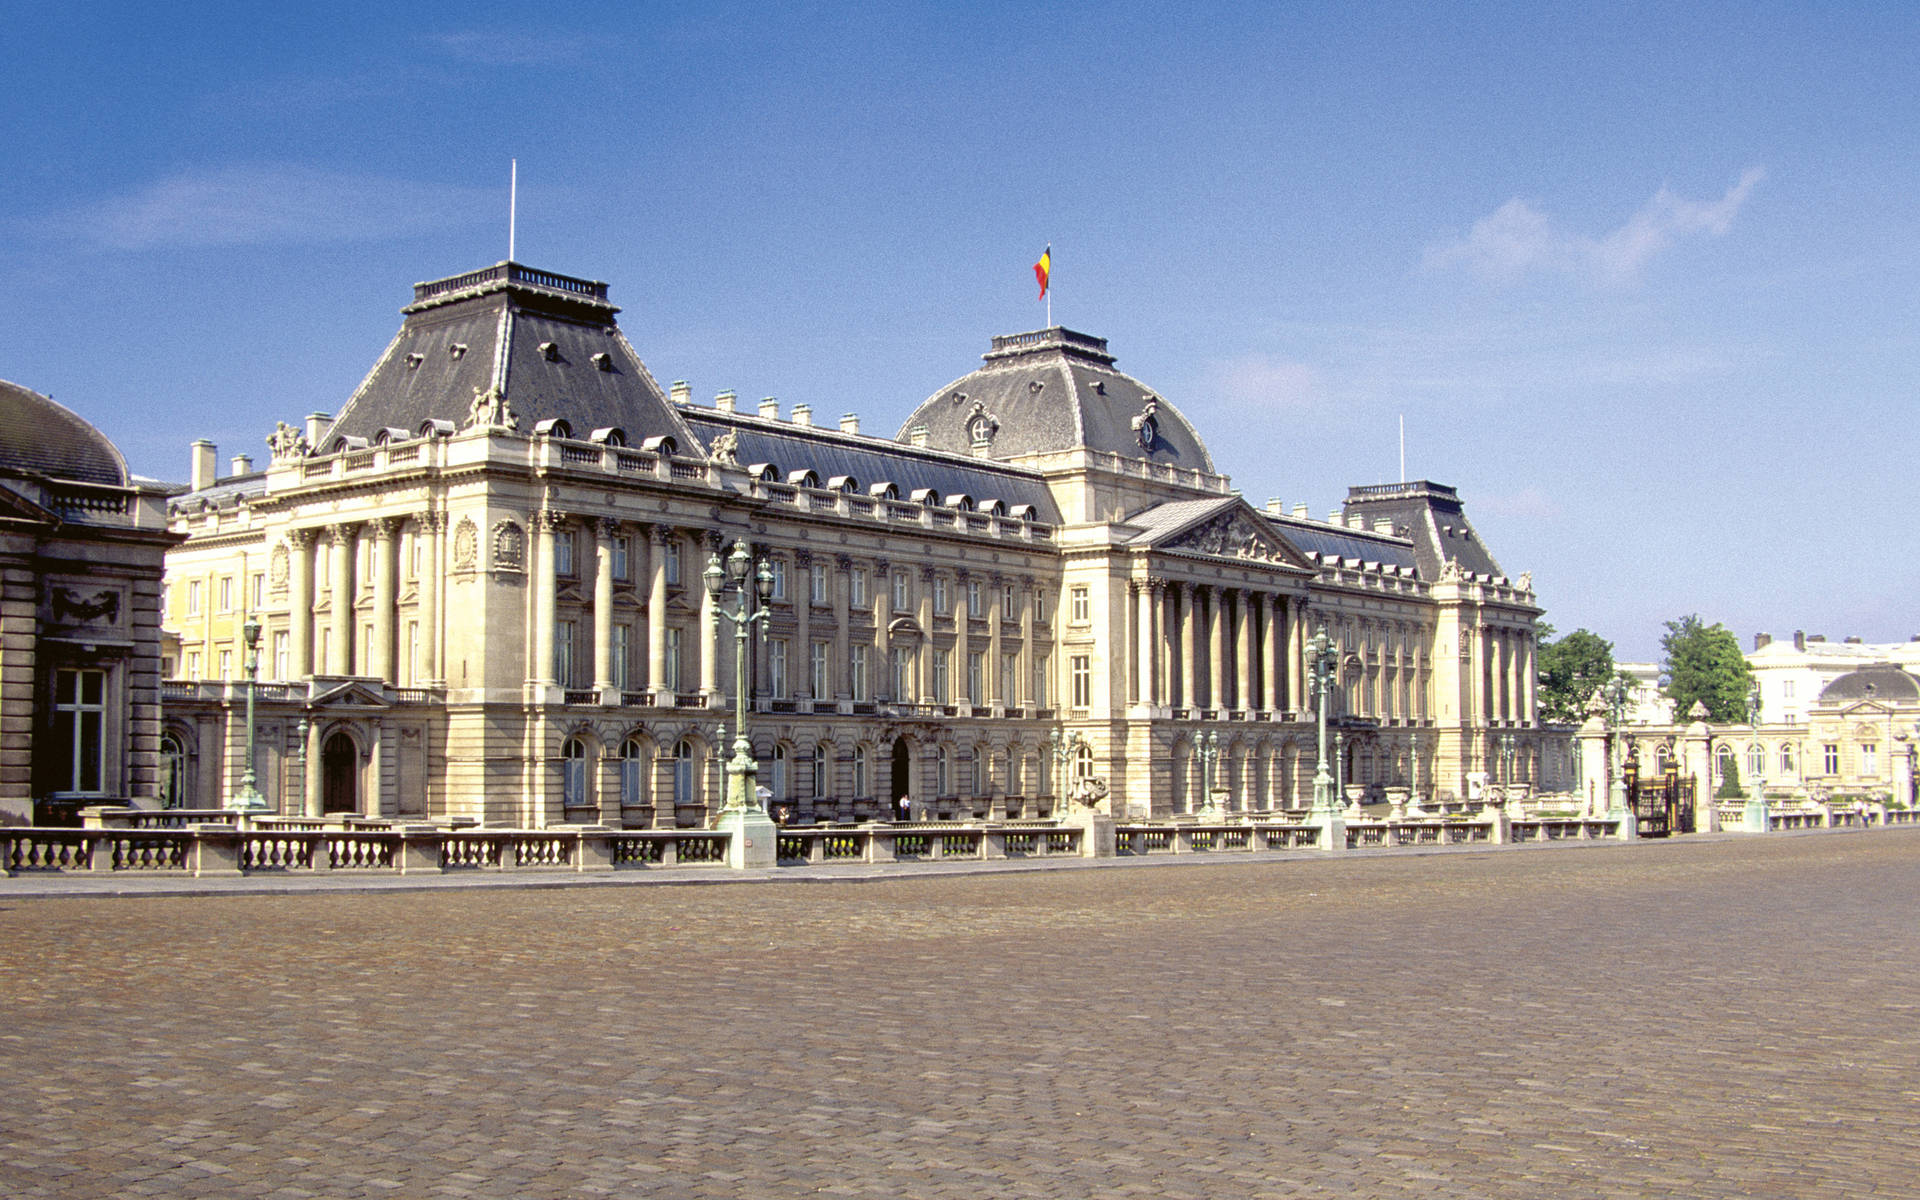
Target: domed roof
1880 681
43 438
1054 390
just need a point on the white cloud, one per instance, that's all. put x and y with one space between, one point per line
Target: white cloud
1261 383
265 204
1517 239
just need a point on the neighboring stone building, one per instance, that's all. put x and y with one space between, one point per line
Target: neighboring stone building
481 592
1792 674
1856 739
81 546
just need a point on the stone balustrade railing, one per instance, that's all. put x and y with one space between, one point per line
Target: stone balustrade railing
1191 837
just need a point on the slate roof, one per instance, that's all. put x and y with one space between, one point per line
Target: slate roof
1330 541
548 342
868 461
39 437
1170 517
1052 390
1431 515
1881 681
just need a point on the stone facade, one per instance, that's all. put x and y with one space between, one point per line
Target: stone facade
481 592
81 545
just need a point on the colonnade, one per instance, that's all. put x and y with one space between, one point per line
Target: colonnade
1210 647
1506 669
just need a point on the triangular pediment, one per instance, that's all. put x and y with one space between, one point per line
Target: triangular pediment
1228 528
346 693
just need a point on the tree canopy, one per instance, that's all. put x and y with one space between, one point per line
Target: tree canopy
1570 670
1704 663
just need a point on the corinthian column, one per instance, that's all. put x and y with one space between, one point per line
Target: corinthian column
545 582
1245 694
300 608
381 665
340 581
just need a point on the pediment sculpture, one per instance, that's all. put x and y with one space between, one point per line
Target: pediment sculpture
1231 535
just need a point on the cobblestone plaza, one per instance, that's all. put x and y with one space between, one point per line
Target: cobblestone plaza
1703 1017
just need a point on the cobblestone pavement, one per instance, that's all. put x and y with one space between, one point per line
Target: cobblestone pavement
1734 1017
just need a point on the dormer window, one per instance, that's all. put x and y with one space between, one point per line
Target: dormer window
843 483
553 427
603 361
884 491
609 436
550 351
457 351
661 445
415 359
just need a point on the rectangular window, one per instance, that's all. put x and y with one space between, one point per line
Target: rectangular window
79 729
620 652
672 666
857 587
414 544
1009 609
1869 760
563 654
673 562
226 593
1082 669
817 585
622 558
563 552
281 650
193 597
1831 759
973 598
777 669
226 664
900 586
1040 683
969 778
413 653
976 677
1010 679
193 664
940 597
903 674
259 589
1081 603
818 671
941 664
857 672
1040 605
779 566
1786 689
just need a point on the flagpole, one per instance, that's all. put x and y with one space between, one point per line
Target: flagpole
1049 283
513 203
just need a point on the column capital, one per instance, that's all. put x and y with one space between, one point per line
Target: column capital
659 534
551 519
303 537
803 558
882 565
714 539
927 573
843 561
342 531
433 520
384 527
606 527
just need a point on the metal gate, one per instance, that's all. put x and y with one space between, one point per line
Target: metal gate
1662 804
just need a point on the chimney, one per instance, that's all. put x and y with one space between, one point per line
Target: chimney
1274 507
803 414
918 435
242 464
723 402
770 408
1799 639
849 422
1383 525
1336 517
681 393
1816 637
316 422
1762 640
1852 641
204 457
1300 511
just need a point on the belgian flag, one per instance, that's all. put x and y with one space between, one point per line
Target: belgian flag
1044 268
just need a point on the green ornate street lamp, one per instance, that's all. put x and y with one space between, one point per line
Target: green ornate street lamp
249 799
1322 663
750 610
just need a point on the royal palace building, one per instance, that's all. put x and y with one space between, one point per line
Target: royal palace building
479 596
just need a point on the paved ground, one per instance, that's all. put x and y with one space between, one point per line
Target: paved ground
1700 1018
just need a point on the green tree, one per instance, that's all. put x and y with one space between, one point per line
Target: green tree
1703 663
1570 670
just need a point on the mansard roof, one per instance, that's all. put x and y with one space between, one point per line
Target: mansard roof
872 461
1885 682
1430 514
1053 390
546 342
39 437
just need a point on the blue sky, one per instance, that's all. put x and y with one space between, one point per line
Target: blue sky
1642 280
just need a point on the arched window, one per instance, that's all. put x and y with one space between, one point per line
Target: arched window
1722 763
862 784
943 773
1083 763
1756 760
173 771
822 771
573 772
684 789
777 776
1786 760
634 773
